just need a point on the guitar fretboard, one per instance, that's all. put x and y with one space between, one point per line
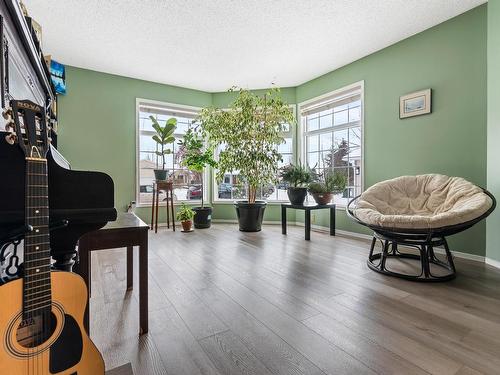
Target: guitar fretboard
36 282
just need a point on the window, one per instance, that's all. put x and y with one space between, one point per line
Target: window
232 187
332 127
187 184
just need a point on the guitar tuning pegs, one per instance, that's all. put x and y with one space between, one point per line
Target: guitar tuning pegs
11 138
7 113
9 125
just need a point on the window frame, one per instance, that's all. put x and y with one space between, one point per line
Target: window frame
302 133
292 132
142 102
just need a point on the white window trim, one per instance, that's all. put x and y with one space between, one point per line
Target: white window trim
170 106
295 135
301 138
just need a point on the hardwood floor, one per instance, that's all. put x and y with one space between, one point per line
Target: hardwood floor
227 302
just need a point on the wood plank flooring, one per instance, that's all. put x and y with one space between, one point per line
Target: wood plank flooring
227 302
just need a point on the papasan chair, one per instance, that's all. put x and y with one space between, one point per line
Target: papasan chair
418 212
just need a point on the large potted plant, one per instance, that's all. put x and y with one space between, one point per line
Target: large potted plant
196 157
297 177
163 137
247 135
330 183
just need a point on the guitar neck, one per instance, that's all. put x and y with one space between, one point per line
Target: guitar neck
36 280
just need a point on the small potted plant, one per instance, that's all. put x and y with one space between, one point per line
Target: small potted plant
196 157
331 183
297 177
185 215
164 136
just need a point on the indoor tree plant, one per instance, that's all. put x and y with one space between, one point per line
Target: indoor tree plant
196 157
329 184
247 135
164 136
298 177
185 215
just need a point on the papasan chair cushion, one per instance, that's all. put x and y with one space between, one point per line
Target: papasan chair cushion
421 202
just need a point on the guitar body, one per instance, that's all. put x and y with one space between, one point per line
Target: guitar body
68 350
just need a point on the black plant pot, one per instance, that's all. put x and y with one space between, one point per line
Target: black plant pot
202 217
297 195
160 174
250 215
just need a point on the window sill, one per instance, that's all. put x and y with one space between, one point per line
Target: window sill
338 207
273 203
176 203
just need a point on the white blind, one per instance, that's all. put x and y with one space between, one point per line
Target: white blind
336 100
171 111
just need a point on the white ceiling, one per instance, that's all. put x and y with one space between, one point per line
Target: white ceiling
212 45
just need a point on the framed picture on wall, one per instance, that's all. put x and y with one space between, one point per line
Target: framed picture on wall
415 104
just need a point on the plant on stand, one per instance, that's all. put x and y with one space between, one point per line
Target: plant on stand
196 157
248 135
163 137
330 184
297 177
185 215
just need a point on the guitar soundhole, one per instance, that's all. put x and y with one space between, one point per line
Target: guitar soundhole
34 331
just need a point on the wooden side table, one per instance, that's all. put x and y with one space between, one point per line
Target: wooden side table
127 231
308 209
168 188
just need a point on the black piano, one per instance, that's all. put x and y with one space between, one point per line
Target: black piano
79 201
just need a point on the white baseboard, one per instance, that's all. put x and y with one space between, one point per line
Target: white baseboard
492 262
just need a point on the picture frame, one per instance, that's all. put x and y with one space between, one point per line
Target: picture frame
415 104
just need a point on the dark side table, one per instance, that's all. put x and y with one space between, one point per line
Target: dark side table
168 188
308 209
127 231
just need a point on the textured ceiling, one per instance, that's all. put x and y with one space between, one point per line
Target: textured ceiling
212 45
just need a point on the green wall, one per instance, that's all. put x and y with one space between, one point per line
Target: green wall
449 58
493 222
98 124
97 117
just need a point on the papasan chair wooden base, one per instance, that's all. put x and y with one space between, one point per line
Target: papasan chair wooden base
417 213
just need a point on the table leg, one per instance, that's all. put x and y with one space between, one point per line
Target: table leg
332 221
308 225
168 214
283 220
143 283
130 267
156 209
153 210
172 208
84 272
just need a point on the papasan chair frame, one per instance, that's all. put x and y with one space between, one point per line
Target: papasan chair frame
425 240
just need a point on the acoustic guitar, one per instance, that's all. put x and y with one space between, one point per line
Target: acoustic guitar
41 313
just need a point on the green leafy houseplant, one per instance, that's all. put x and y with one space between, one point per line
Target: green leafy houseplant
196 157
248 134
330 183
163 137
185 215
297 176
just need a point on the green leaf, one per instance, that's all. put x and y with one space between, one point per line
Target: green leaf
157 139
